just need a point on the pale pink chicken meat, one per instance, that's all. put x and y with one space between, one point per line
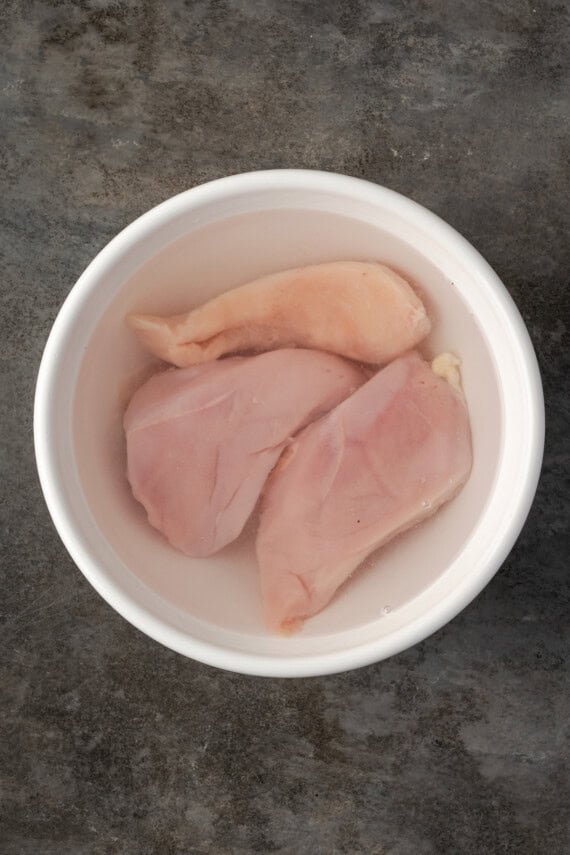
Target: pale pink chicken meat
360 310
201 441
380 462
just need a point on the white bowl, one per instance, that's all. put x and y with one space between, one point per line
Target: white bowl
216 237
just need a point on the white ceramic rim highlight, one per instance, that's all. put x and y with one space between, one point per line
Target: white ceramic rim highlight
519 466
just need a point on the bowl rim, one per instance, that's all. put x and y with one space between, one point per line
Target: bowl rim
295 665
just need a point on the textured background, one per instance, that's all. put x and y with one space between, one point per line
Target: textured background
112 744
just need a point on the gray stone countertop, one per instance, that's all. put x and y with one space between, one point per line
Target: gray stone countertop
112 744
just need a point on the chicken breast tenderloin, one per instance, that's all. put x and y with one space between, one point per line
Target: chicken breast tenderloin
383 460
201 441
363 311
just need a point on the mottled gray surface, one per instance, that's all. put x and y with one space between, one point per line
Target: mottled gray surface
112 744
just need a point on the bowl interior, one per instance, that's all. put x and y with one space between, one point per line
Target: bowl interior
188 258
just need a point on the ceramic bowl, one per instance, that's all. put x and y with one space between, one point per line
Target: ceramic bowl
218 236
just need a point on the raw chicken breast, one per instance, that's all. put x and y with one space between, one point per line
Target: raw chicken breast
383 460
201 441
364 311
